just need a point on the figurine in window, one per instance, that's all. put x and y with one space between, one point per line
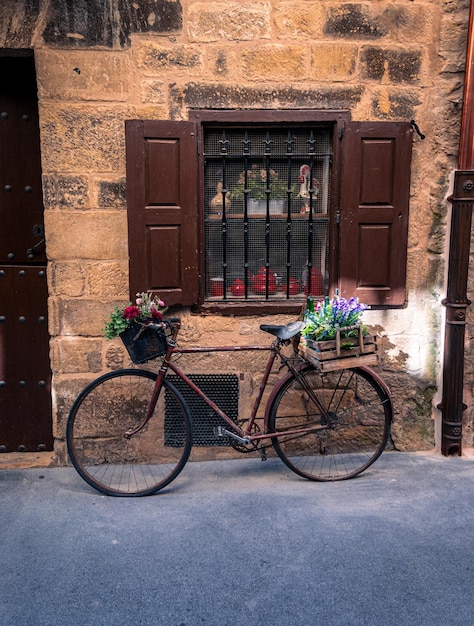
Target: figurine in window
305 182
305 185
216 202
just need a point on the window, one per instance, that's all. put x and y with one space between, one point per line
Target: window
266 212
247 211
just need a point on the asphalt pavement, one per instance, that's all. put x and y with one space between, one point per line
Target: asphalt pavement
243 543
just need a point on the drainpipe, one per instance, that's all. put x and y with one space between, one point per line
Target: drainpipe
456 301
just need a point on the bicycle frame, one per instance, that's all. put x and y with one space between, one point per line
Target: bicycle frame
324 427
244 435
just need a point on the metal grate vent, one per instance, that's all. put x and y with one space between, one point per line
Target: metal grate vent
223 389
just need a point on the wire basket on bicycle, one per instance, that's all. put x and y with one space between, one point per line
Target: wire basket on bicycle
144 343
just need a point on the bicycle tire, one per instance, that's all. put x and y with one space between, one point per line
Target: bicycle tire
359 413
139 465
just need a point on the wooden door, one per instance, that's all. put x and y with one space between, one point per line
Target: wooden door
25 374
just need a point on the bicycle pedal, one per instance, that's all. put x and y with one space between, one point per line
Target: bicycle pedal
263 454
219 431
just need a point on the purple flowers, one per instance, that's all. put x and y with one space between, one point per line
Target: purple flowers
346 312
332 314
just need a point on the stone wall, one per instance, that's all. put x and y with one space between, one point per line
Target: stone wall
156 59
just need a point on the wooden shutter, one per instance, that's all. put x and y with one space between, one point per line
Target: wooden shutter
162 209
373 236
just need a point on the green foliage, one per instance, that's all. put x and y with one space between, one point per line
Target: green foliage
116 324
257 186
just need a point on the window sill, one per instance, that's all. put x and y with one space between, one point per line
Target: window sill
293 307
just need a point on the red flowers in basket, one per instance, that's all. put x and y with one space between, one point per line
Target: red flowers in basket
145 309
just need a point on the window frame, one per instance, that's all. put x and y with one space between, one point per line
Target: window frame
370 202
204 119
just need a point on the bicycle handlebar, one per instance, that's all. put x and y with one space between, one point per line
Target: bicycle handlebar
173 323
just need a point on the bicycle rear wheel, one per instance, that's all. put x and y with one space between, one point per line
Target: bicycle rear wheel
136 465
347 439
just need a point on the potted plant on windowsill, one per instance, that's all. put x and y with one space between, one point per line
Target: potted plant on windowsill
256 190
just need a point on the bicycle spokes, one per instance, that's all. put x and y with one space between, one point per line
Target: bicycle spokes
350 423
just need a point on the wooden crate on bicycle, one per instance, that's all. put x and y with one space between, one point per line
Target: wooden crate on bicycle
341 352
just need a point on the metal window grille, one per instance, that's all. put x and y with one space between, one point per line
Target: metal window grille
267 212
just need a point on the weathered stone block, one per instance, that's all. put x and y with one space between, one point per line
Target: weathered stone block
333 61
388 104
413 428
82 317
231 21
154 16
86 235
298 19
399 66
275 62
452 43
155 57
111 194
65 191
108 280
84 138
410 23
353 21
153 91
91 75
93 23
18 22
222 62
115 356
453 6
381 19
76 355
223 96
68 279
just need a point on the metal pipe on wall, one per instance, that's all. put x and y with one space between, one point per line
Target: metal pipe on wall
456 300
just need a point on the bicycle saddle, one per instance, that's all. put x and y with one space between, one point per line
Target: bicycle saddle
283 332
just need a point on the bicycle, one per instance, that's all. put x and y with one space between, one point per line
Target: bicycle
130 433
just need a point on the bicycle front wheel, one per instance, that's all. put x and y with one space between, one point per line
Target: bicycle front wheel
349 434
101 447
